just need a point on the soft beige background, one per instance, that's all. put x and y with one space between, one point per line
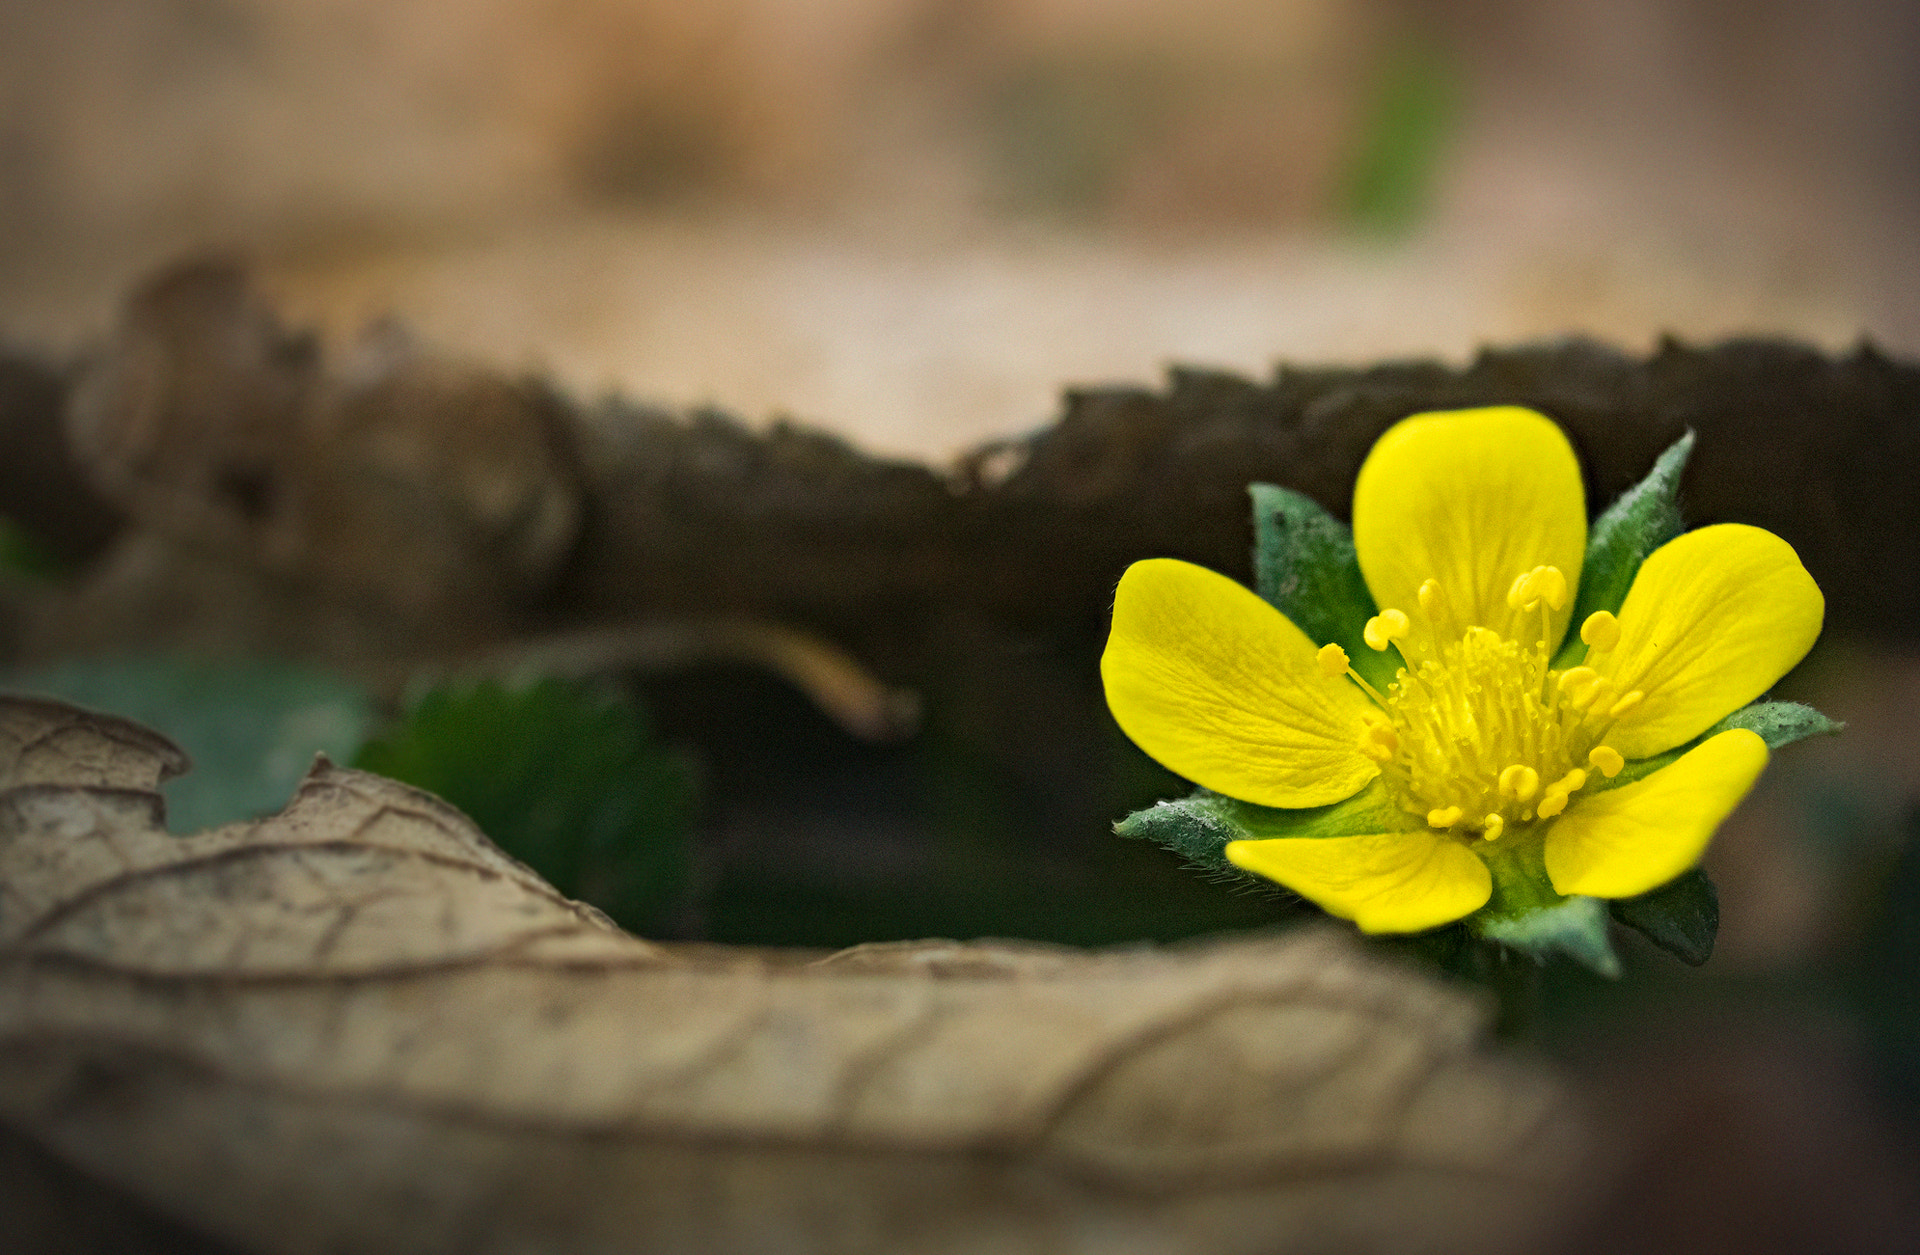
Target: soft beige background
914 220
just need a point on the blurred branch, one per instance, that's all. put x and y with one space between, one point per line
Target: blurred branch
833 679
427 509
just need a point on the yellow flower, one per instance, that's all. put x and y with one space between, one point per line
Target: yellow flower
1495 766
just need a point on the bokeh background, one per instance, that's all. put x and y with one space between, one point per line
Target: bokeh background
912 222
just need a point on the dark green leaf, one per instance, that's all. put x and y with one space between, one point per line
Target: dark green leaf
1681 917
251 727
1645 517
1304 565
1198 827
562 777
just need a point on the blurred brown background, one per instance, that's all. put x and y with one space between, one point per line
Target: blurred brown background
912 220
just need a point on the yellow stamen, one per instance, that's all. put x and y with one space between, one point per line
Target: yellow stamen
1379 741
1470 734
1578 685
1517 591
1552 586
1559 791
1572 782
1385 628
1543 583
1601 632
1625 704
1379 699
1519 782
1333 661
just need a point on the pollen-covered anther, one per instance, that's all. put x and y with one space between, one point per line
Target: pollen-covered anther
1578 686
1601 632
1379 741
1519 782
1333 661
1385 628
1493 826
1543 583
1625 704
1555 799
1433 601
1607 759
1444 816
1553 586
1517 591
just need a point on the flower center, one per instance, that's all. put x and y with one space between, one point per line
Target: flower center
1482 735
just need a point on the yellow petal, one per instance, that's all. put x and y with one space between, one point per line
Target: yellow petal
1714 617
1392 882
1638 837
1472 499
1219 686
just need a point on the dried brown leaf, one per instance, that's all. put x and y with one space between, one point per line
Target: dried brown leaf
357 1026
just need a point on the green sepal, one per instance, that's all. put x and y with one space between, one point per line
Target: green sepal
1304 565
1199 826
1682 916
1196 827
1645 517
1575 927
1525 913
1777 723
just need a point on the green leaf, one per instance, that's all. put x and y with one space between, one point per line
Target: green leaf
1778 723
562 777
1198 827
1645 517
1304 565
250 727
1682 916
